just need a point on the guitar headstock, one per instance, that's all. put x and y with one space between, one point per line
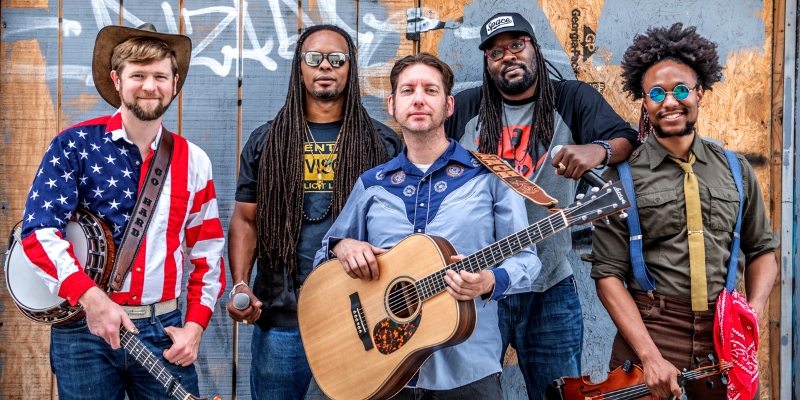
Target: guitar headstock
600 203
720 368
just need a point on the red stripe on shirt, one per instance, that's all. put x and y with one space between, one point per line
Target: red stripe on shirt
179 176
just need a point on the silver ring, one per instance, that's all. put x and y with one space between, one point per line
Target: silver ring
562 167
244 321
177 363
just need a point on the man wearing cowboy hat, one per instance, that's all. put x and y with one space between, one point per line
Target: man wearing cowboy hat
99 165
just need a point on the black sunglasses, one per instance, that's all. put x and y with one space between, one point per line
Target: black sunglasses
314 58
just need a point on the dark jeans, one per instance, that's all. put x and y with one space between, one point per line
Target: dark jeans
482 389
87 368
279 369
680 335
546 329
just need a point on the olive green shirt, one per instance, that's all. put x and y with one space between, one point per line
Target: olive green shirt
659 193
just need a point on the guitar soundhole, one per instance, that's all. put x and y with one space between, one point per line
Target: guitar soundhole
402 300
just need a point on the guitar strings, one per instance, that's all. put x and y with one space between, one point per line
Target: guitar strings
397 297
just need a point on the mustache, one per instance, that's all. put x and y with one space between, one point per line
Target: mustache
515 64
149 95
661 113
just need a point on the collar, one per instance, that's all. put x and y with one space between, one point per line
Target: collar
520 102
117 130
657 153
454 152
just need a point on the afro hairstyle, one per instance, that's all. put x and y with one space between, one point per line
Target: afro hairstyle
683 46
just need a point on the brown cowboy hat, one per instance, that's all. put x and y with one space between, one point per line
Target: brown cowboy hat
110 36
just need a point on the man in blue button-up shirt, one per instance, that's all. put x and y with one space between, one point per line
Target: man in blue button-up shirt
437 188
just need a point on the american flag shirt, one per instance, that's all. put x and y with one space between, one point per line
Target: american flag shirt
93 165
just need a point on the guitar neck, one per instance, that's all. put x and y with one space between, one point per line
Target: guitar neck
495 253
149 361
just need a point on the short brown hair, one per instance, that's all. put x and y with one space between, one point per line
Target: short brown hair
425 59
142 50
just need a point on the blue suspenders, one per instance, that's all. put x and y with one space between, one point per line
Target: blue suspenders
641 273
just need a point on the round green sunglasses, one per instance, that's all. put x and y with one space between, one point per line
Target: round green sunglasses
680 92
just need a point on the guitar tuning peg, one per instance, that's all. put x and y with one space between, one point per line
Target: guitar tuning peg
697 361
595 189
724 378
591 226
606 221
623 215
709 383
579 196
711 359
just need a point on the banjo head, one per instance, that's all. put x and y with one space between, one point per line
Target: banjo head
90 243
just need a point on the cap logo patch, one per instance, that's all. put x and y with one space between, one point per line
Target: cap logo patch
497 23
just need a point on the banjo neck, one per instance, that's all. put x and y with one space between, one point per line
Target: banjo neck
149 361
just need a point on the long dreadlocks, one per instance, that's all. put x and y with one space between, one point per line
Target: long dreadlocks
684 46
490 113
280 177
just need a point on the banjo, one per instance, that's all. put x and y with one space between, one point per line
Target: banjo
93 246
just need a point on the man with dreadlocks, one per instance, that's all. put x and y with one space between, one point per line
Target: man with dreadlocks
295 175
521 114
689 193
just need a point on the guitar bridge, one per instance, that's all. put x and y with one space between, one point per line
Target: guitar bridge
360 321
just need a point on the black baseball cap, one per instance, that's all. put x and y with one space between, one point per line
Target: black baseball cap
504 22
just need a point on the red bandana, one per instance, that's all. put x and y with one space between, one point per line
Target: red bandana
736 340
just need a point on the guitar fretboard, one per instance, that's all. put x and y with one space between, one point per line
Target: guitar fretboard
151 363
493 254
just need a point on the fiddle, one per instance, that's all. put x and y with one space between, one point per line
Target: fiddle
625 382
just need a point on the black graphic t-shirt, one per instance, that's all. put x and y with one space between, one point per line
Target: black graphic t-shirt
277 290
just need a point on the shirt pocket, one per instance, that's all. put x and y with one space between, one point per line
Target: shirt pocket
724 209
659 214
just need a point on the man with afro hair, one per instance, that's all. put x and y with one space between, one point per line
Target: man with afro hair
688 204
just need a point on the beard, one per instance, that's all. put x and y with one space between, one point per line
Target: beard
686 131
520 85
421 132
146 115
325 94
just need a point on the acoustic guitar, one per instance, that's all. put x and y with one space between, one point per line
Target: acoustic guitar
367 339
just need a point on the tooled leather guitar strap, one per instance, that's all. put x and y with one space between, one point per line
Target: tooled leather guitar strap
514 180
143 211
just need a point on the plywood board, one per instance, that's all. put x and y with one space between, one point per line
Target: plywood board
25 345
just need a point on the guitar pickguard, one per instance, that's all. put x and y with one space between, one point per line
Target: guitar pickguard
390 336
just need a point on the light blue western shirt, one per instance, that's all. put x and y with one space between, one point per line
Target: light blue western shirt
462 201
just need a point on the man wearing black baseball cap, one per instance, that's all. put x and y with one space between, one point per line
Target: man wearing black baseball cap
521 114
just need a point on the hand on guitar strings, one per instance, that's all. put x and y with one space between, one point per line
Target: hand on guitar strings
104 317
661 377
358 258
185 343
252 313
466 285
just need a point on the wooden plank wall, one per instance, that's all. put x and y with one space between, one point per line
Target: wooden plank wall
238 80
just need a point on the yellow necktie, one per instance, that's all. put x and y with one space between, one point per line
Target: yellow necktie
694 224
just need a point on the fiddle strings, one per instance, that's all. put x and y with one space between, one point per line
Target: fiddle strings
636 391
556 222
